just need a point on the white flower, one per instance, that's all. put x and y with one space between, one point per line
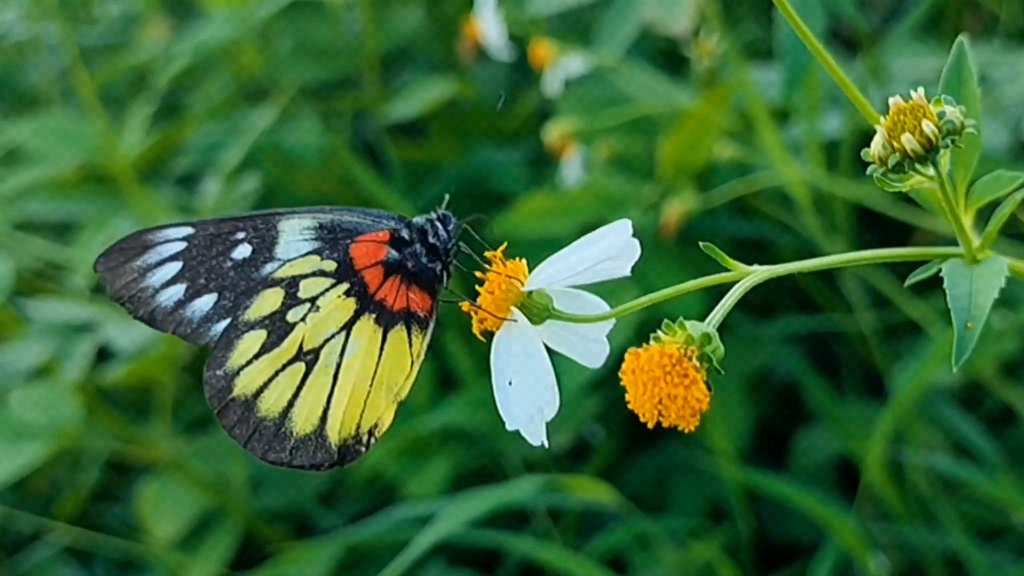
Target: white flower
556 65
485 28
569 66
572 166
525 387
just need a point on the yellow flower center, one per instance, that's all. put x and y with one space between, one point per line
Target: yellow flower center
665 384
471 33
501 290
911 128
541 53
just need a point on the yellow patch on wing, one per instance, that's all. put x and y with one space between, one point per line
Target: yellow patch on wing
312 401
297 313
418 343
248 345
353 380
253 376
266 303
310 287
279 392
305 265
395 363
332 311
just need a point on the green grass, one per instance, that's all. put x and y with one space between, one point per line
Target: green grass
838 442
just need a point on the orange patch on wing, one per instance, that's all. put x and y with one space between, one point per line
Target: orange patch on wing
374 277
389 291
383 236
419 301
365 254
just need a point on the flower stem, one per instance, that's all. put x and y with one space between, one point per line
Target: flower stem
859 101
651 299
749 278
858 258
963 235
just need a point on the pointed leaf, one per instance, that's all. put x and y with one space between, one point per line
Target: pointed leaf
971 289
925 272
960 80
999 217
993 186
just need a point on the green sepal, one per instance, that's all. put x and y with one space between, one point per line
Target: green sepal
696 334
538 307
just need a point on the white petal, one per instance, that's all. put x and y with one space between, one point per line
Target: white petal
572 168
494 31
584 343
552 84
525 388
568 67
604 254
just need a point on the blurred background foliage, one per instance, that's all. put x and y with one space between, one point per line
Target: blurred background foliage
839 441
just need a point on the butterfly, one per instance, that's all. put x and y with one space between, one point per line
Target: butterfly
318 318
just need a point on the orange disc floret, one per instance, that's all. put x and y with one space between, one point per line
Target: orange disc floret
665 384
502 288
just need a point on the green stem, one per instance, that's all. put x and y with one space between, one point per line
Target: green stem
651 299
858 258
748 279
859 101
963 235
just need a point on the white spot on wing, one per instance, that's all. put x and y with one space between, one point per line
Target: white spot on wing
168 296
162 274
217 329
270 267
239 235
161 252
295 237
198 308
172 233
242 251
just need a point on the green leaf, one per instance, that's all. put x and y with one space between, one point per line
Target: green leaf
8 276
420 97
970 291
168 508
22 456
47 405
993 186
960 80
999 217
475 504
544 8
553 557
685 149
925 272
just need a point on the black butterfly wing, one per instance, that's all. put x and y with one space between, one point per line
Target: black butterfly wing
191 279
315 341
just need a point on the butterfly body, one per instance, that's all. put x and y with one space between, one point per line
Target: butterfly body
318 319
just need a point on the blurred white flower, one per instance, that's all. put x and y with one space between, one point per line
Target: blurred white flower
485 28
556 65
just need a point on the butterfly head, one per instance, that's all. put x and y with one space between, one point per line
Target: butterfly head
432 240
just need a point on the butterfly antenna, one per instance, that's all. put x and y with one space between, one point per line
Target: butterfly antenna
444 203
474 305
473 233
